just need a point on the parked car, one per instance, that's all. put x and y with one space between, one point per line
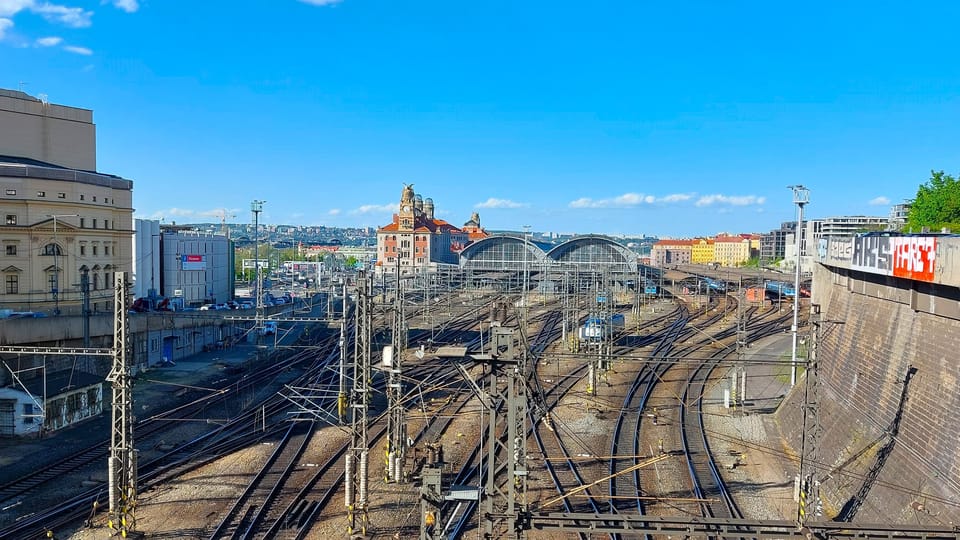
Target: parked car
269 328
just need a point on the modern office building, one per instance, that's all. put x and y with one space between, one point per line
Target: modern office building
898 216
196 267
65 227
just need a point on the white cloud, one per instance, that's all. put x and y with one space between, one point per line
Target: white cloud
78 50
12 7
677 197
73 17
69 16
388 208
334 212
879 201
732 200
129 6
628 200
500 203
321 2
51 41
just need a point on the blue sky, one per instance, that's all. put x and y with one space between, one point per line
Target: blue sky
633 117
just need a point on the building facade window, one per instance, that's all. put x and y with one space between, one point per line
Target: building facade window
11 219
83 249
28 413
41 194
52 249
106 250
94 251
12 283
11 192
94 223
52 281
61 195
83 223
11 249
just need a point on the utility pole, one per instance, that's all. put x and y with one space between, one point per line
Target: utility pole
392 362
357 459
801 196
810 505
122 464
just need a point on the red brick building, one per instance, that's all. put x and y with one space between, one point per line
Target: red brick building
417 239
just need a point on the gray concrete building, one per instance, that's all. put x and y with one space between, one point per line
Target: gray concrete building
196 267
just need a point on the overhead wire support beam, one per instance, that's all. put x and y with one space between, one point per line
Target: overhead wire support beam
701 527
9 349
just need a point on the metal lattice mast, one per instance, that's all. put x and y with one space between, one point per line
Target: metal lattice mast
505 509
343 402
739 381
357 459
810 505
122 463
396 421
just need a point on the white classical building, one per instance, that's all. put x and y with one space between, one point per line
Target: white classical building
62 224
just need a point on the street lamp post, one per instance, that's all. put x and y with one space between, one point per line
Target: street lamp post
56 262
256 207
801 196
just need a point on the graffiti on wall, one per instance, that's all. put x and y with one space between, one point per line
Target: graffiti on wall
914 257
910 257
835 250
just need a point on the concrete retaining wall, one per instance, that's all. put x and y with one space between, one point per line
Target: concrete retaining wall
870 336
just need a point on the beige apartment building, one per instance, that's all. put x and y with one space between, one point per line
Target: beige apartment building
61 222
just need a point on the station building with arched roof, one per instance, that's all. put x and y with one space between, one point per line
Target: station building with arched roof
511 252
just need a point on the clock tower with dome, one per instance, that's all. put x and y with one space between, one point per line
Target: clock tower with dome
416 241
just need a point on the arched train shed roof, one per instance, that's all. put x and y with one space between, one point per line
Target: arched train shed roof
502 252
594 252
589 253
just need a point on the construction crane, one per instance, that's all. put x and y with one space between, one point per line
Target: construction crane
224 214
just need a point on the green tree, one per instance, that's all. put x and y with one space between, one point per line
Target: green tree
937 204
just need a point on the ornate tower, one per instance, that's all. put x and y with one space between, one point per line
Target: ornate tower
407 211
